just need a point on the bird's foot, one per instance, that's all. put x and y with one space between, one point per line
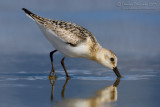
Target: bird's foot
67 77
52 76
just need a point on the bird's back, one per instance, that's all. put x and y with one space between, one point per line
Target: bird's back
70 33
69 38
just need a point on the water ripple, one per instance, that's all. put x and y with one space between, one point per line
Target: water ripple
83 75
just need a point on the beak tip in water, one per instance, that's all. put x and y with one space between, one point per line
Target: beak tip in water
115 69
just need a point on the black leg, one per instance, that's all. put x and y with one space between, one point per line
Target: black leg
52 70
62 62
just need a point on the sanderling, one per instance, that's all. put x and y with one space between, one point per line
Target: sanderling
73 40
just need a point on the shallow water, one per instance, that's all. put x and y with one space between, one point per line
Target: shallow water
132 34
92 86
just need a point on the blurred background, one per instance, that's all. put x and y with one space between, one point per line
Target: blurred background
130 28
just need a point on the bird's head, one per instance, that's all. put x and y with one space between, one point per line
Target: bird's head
108 59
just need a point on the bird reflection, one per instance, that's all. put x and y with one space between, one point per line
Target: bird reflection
103 96
64 87
52 81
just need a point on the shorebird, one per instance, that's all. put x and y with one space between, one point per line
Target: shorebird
73 40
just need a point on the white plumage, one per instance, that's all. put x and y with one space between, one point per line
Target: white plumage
74 41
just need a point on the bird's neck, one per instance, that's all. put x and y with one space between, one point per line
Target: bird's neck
96 53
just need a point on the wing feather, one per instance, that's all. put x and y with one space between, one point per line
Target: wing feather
70 33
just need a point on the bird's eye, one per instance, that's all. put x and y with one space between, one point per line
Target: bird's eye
112 59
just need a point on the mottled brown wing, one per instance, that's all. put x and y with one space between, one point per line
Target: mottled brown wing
71 33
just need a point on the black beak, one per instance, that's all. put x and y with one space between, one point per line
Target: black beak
115 69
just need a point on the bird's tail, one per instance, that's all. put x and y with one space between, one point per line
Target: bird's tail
34 17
